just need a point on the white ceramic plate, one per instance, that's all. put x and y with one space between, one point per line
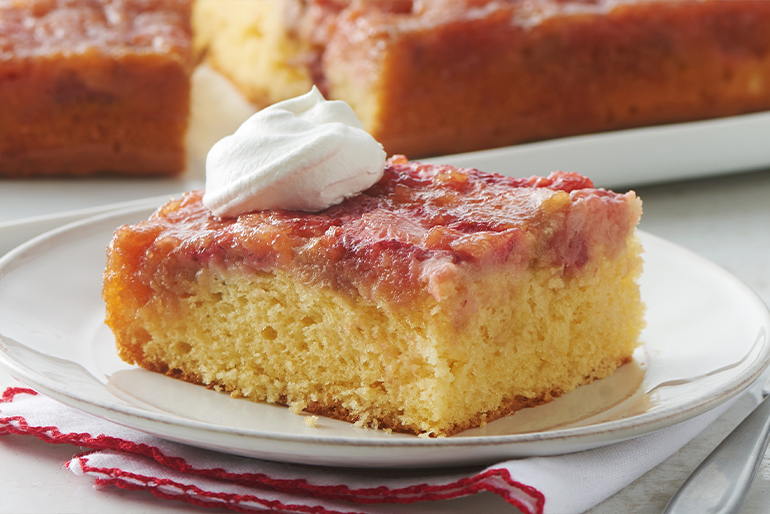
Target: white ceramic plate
618 160
706 340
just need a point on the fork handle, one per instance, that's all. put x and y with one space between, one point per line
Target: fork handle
720 484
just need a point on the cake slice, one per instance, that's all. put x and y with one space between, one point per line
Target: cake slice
447 76
435 301
94 86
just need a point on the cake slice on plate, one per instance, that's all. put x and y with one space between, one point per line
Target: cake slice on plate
432 302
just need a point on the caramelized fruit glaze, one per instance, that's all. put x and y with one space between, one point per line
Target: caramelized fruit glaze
419 226
74 26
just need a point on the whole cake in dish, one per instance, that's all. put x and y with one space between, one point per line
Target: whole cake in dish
447 76
434 301
92 86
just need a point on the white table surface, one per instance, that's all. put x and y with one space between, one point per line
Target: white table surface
725 219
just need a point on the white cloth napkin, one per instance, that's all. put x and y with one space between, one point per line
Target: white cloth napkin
131 459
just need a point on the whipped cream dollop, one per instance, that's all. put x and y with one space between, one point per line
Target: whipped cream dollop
305 153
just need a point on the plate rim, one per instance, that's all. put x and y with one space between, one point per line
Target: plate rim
627 427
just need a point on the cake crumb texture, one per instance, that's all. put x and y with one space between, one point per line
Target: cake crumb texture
247 38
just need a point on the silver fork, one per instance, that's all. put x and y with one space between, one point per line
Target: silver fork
720 484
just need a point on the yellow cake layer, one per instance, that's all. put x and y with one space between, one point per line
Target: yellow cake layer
247 40
438 367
